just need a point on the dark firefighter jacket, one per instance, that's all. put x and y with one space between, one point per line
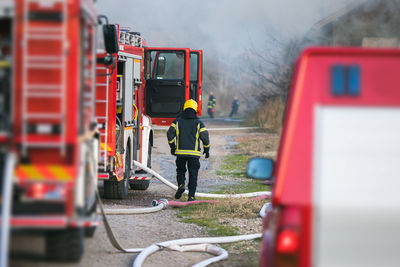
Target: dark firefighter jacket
188 130
211 102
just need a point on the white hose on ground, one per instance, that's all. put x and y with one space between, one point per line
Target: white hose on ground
139 260
263 210
164 203
168 183
145 252
220 253
6 206
161 204
195 244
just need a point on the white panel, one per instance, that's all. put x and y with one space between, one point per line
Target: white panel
356 187
128 97
136 70
145 139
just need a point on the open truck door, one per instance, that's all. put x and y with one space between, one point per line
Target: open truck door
196 77
167 83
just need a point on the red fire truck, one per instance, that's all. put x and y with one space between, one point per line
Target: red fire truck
145 86
335 196
49 99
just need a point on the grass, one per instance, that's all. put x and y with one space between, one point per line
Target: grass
258 145
226 216
245 252
244 186
202 215
234 165
210 215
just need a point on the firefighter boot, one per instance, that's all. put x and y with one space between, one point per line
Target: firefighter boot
180 191
192 199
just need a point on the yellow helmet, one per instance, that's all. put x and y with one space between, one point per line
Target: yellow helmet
190 104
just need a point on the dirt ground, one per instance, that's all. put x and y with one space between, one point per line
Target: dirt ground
138 231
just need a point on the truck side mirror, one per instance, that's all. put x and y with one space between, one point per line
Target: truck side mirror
110 38
260 168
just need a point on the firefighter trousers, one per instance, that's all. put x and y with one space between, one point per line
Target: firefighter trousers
193 165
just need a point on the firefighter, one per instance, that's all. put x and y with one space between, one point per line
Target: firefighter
211 105
188 130
235 106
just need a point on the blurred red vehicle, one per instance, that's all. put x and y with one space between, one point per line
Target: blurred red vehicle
48 122
146 86
335 188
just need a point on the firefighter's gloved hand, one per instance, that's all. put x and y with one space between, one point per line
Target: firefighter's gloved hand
173 148
207 152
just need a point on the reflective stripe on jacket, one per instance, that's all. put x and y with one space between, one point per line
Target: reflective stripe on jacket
212 101
185 134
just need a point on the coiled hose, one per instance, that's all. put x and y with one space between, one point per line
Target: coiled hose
187 244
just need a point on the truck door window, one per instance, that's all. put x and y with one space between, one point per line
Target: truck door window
167 65
194 67
194 71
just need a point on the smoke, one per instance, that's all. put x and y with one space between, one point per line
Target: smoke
217 26
226 30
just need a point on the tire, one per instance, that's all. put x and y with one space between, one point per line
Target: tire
89 231
138 184
65 245
119 189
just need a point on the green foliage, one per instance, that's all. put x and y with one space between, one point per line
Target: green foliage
245 186
201 215
234 165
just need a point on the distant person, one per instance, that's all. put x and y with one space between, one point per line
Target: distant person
235 107
188 130
211 105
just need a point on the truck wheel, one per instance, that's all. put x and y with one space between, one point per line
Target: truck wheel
89 231
139 185
119 189
65 245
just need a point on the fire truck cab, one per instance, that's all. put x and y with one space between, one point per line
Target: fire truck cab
144 86
335 192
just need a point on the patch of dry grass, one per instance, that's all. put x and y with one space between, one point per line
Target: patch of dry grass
229 216
270 114
234 208
260 145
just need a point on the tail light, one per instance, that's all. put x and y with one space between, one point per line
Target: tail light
45 191
287 242
282 238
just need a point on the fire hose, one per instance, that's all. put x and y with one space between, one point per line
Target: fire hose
187 244
6 199
165 203
168 183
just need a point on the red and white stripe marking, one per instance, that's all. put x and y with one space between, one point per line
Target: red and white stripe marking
140 178
105 176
